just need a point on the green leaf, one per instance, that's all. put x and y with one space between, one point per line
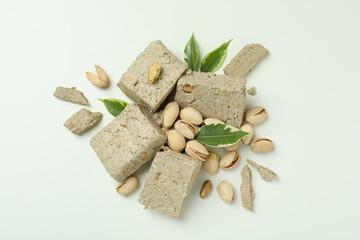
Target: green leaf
114 106
213 60
219 135
191 54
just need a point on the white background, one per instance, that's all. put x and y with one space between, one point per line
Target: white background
52 185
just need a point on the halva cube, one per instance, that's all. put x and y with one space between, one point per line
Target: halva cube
135 83
128 142
169 182
214 96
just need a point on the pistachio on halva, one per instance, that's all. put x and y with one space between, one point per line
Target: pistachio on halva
154 72
185 128
196 150
229 160
256 115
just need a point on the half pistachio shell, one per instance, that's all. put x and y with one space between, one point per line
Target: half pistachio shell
211 163
226 191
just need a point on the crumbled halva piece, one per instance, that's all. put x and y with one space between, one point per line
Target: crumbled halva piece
214 96
245 60
157 117
264 172
127 142
82 121
71 95
247 192
135 83
169 182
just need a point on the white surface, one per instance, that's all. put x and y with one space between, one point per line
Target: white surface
54 187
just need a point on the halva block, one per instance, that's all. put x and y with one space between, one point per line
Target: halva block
71 95
135 83
214 96
82 121
246 189
168 182
245 60
128 142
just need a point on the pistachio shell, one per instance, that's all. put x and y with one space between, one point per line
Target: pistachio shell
256 115
171 112
196 150
127 186
211 163
102 75
185 128
225 191
176 140
229 160
233 147
261 145
247 128
191 115
212 121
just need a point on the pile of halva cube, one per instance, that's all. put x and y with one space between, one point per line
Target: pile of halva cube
168 110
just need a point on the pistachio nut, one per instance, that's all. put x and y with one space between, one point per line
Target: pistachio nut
176 140
211 163
170 113
187 88
261 145
256 115
212 121
247 128
127 186
154 72
206 189
196 150
185 128
191 115
225 191
229 160
232 147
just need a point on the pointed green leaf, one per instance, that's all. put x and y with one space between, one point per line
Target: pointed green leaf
219 135
213 60
191 54
114 106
